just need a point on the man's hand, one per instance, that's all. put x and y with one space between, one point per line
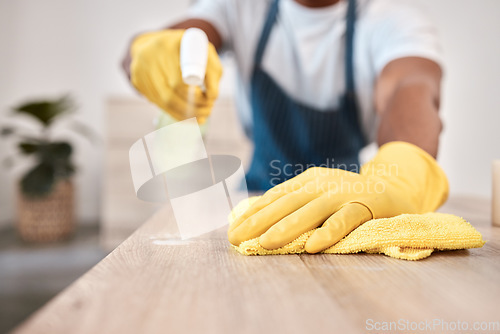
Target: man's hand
155 72
402 178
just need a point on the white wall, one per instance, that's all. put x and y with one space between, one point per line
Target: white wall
470 32
54 46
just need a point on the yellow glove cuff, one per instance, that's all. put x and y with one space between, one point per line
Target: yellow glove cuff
410 171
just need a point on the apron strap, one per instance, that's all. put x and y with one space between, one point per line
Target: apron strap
349 49
350 98
266 31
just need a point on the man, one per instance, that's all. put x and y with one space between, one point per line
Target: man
318 80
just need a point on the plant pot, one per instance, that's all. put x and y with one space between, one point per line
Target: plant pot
47 218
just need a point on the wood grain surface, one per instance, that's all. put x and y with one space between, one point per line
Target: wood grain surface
153 284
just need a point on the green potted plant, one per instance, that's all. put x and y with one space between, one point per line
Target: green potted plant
45 192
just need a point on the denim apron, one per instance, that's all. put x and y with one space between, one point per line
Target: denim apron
289 137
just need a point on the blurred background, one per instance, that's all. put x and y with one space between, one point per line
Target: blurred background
54 47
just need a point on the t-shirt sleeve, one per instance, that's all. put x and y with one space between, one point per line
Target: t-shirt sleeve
401 29
216 13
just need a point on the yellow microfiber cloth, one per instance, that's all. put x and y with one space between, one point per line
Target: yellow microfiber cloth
407 236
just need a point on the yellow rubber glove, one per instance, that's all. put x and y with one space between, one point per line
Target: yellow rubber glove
155 71
402 178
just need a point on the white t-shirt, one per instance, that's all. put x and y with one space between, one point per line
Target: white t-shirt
305 51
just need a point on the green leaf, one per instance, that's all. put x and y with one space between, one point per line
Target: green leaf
29 147
7 131
58 150
46 111
39 181
58 155
66 169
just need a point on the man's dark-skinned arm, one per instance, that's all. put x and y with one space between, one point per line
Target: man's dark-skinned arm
407 95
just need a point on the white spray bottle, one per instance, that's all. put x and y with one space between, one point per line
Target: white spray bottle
193 62
194 55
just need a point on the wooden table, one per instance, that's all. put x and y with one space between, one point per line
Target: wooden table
152 285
